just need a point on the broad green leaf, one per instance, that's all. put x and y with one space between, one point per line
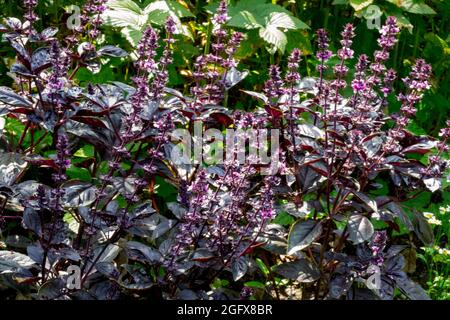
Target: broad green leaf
413 6
86 151
272 21
244 19
336 2
360 4
133 20
274 36
133 35
82 174
165 8
128 5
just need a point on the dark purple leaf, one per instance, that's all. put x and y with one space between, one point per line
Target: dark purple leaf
112 51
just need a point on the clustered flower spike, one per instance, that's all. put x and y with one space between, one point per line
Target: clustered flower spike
162 75
146 50
60 64
30 16
210 80
192 220
386 41
62 158
437 165
231 49
323 54
359 81
377 246
92 12
273 87
293 76
416 83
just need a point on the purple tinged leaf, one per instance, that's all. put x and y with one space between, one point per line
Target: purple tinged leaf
412 290
40 60
140 252
79 193
21 69
311 131
360 229
302 234
48 33
112 51
299 270
233 77
370 203
8 96
11 261
433 184
257 95
422 228
177 209
239 267
108 269
420 148
32 221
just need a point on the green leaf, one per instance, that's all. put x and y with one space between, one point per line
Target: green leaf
272 21
255 284
244 19
336 2
274 37
128 5
86 151
283 219
413 6
133 20
132 34
360 4
262 266
82 174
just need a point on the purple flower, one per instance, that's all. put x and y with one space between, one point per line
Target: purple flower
323 54
62 158
292 76
389 32
246 293
348 34
60 64
29 15
358 85
273 87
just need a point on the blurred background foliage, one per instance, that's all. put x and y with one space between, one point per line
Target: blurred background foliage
273 28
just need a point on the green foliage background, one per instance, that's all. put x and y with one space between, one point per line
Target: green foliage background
273 29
